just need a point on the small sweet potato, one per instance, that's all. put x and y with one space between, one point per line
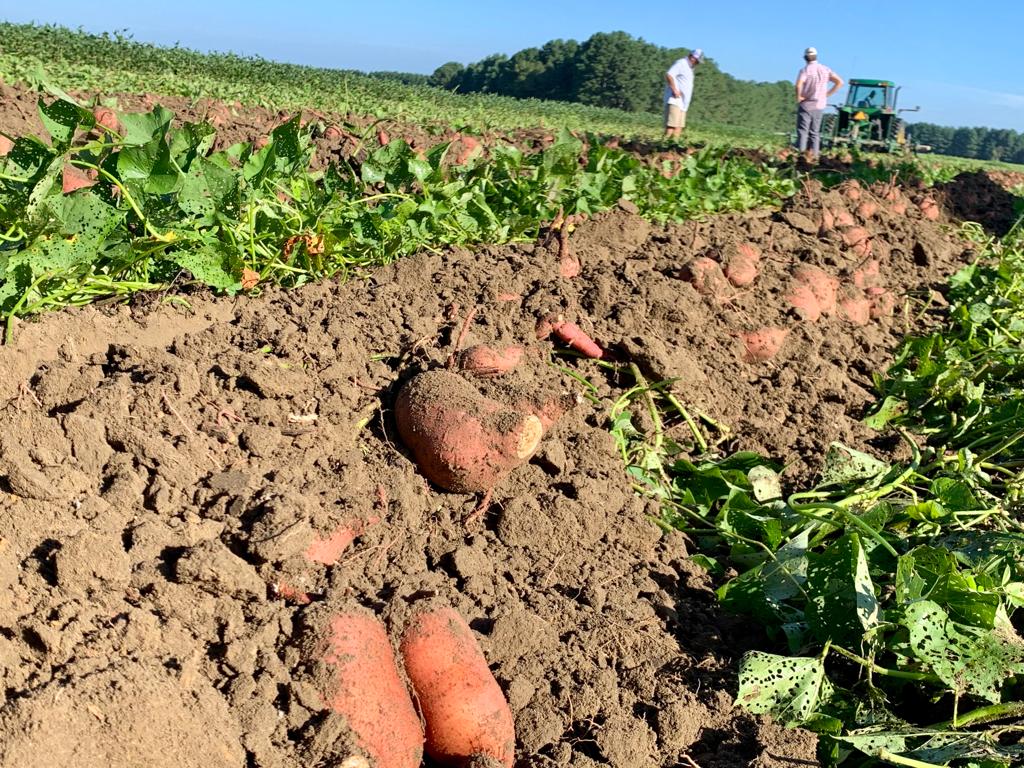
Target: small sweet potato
852 190
863 249
854 235
763 344
856 309
74 178
828 221
468 721
367 690
741 270
822 285
899 208
801 298
382 137
484 361
706 276
867 209
461 440
106 119
569 333
929 209
6 145
844 218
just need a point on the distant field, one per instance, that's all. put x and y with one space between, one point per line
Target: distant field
76 61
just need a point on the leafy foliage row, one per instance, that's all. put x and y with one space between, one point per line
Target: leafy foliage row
154 204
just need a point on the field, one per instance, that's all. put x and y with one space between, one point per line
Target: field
775 522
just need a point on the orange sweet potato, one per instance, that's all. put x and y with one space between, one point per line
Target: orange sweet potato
6 145
854 235
706 276
106 119
929 209
867 209
75 178
365 687
484 361
812 280
741 271
461 440
763 344
844 218
856 309
468 720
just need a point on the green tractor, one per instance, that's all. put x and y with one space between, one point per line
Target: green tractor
869 120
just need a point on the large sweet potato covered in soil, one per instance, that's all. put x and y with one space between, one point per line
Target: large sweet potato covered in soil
460 439
469 724
367 690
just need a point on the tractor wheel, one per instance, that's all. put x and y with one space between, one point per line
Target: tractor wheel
828 131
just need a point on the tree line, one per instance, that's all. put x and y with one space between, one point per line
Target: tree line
978 143
615 69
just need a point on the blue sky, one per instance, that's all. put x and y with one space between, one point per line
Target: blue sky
960 61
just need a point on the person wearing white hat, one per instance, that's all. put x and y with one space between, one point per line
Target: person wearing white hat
679 91
812 93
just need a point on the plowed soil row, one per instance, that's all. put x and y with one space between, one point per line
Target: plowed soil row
164 470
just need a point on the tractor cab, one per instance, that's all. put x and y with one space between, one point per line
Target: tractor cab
869 119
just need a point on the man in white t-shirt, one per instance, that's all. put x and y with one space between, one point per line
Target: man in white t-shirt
812 92
679 92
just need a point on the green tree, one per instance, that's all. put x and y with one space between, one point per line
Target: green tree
447 74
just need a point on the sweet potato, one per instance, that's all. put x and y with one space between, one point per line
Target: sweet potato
852 190
749 250
801 298
461 440
856 309
867 275
844 218
368 691
484 361
468 721
863 248
741 270
106 119
382 138
867 209
828 221
763 344
929 209
6 145
899 208
333 133
75 178
819 284
706 276
883 304
327 551
854 235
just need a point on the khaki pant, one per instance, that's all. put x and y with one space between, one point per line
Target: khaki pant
674 116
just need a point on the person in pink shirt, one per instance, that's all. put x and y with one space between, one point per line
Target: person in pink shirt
812 93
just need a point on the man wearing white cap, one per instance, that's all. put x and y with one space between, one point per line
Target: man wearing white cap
679 92
812 94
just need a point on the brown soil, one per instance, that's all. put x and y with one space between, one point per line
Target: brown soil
164 472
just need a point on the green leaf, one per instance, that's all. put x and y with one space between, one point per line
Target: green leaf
213 265
845 465
890 409
61 119
765 483
144 127
842 604
151 164
790 689
968 660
